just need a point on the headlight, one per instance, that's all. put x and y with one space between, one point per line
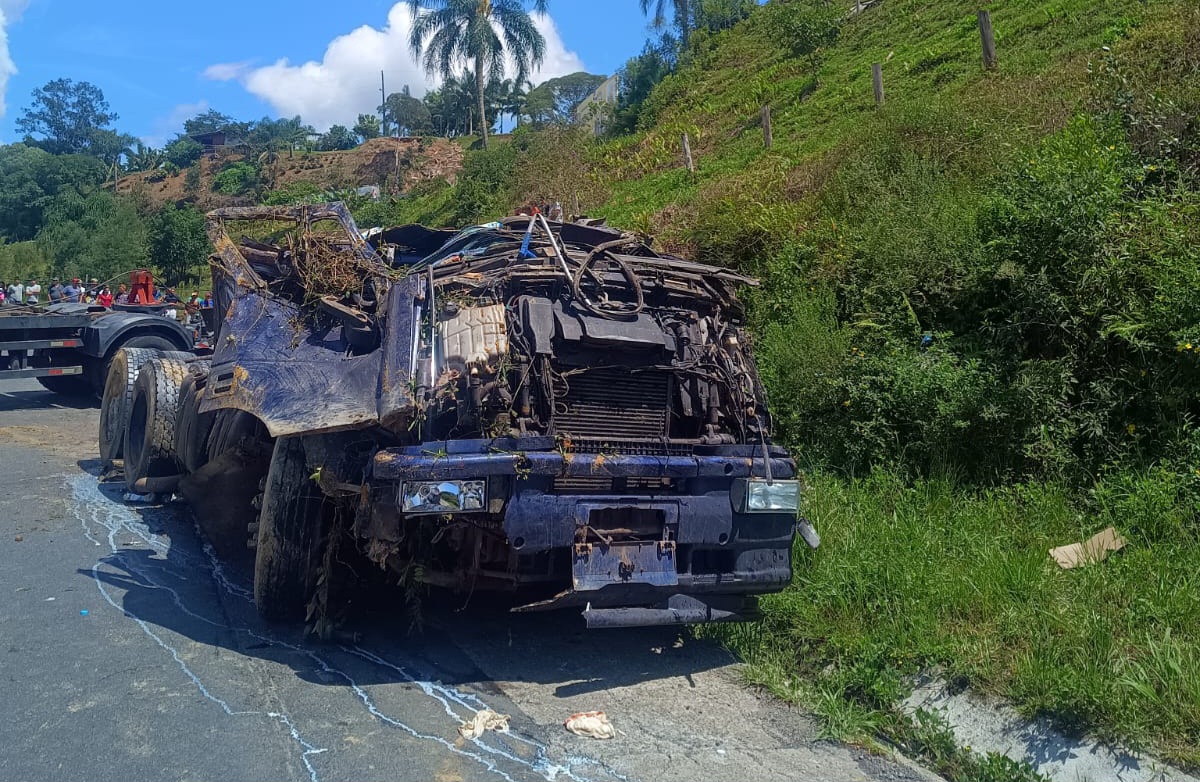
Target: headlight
443 496
773 497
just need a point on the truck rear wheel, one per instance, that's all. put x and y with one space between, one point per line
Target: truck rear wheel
153 413
193 427
68 385
291 534
123 370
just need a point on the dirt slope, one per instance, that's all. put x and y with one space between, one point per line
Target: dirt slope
394 164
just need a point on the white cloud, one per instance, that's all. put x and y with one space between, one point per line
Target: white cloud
227 71
559 60
167 126
10 11
345 82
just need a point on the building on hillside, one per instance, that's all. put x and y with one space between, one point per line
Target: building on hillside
595 110
211 141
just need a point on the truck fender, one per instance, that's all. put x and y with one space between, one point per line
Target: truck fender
108 332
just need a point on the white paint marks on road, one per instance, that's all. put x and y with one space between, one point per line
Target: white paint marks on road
104 520
97 512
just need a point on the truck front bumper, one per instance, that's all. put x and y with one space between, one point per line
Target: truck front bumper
653 540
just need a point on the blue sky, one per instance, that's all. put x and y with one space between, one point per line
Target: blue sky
161 62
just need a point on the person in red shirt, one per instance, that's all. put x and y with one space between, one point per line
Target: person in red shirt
105 297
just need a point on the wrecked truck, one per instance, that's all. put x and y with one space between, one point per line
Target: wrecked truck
553 410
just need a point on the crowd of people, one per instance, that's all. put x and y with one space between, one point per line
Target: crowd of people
94 292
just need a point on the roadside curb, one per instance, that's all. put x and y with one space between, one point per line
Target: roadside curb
992 725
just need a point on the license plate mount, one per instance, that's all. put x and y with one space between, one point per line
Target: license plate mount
597 565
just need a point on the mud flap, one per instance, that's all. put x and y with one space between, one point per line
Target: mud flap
596 566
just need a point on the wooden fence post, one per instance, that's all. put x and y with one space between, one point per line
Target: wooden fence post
988 39
877 82
687 154
766 125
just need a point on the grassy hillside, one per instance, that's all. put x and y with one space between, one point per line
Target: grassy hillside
939 100
980 332
978 326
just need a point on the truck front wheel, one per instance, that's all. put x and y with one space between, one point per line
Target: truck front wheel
291 535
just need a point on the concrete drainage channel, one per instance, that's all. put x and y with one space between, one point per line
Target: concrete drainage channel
986 725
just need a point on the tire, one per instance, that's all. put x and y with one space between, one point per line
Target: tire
118 394
150 427
230 427
193 427
290 535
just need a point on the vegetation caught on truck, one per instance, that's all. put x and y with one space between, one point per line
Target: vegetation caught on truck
550 409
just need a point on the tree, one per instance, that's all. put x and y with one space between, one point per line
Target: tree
338 137
514 100
367 127
178 243
144 158
183 151
808 30
32 178
451 107
70 117
100 235
716 15
409 114
682 15
211 121
485 31
270 135
638 77
110 146
556 100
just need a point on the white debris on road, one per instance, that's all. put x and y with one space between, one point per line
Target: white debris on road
594 724
483 721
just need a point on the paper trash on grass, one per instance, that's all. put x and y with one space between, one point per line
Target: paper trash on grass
594 724
484 720
1094 549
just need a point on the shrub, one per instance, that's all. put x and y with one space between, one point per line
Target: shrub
183 152
236 179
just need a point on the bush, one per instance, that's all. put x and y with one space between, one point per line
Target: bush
299 192
805 28
483 189
337 138
183 152
236 179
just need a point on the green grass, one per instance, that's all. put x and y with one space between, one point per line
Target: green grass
937 92
909 577
873 226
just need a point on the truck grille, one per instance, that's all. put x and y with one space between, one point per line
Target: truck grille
605 485
612 405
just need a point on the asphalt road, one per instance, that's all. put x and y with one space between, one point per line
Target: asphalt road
131 652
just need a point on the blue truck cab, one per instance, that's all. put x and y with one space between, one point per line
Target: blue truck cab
553 410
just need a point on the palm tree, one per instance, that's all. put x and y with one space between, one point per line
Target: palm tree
511 100
143 158
682 15
452 31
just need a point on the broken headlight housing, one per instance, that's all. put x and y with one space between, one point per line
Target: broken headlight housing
443 496
762 496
